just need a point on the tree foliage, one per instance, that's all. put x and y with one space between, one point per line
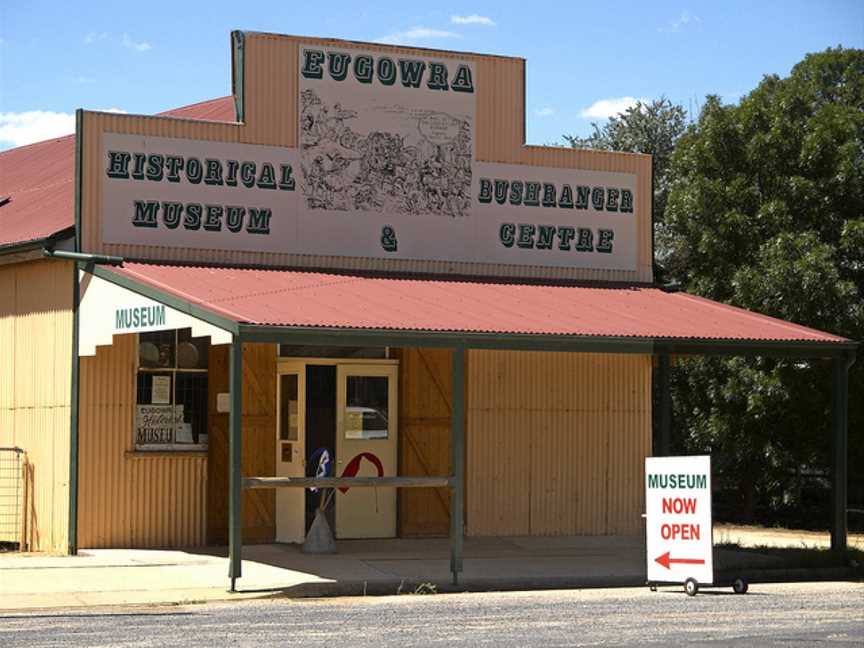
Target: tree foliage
652 128
766 211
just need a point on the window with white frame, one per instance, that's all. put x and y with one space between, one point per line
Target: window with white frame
171 411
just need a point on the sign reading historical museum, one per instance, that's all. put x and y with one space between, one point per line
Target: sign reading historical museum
385 167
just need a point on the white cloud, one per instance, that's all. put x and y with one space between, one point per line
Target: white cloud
606 108
125 40
415 34
20 128
31 126
128 43
92 37
545 112
686 19
473 19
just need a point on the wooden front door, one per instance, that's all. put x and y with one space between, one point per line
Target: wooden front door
259 443
291 451
366 446
426 391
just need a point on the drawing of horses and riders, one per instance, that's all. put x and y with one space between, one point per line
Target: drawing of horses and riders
346 171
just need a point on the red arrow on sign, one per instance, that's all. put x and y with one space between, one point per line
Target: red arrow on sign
665 560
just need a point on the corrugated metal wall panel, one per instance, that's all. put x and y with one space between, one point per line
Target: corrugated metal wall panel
8 317
556 442
272 64
35 372
128 499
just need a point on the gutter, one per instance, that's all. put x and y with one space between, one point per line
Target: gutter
85 257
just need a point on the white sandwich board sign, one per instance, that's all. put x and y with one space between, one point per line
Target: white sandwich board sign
678 519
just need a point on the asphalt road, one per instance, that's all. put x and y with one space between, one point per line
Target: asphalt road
770 615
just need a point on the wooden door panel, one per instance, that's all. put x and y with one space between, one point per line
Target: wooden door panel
426 391
259 449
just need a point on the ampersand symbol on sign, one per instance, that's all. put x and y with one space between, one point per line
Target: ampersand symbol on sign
388 238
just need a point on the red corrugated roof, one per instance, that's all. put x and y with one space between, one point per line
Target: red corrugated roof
314 299
39 179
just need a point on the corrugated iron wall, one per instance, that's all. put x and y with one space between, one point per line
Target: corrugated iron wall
556 442
35 389
271 77
129 499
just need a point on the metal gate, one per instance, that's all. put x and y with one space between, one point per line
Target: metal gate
11 499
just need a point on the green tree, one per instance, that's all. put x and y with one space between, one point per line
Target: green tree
766 211
652 128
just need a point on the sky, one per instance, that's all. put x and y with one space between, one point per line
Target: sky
585 60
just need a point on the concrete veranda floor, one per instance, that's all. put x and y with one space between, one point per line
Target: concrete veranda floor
146 576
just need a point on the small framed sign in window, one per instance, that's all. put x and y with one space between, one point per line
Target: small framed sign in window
171 410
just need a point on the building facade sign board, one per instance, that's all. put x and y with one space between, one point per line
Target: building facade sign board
386 167
678 519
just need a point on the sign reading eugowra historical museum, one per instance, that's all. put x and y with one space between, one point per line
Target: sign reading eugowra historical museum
385 167
678 519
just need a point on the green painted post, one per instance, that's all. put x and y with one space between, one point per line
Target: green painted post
457 454
839 424
664 446
235 447
74 404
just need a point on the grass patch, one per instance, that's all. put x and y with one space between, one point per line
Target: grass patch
801 557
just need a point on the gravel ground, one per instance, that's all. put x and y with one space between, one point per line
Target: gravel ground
800 614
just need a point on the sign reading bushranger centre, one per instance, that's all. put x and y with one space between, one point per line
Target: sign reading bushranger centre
385 167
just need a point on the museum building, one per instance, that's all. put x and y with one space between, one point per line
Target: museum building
353 268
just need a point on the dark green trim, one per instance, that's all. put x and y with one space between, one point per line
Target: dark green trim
524 102
767 348
79 157
73 416
840 457
238 69
441 339
538 342
76 362
457 462
235 451
169 300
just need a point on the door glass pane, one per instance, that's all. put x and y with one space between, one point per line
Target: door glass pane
288 408
366 407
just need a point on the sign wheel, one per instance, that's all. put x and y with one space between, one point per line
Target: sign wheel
691 586
740 585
